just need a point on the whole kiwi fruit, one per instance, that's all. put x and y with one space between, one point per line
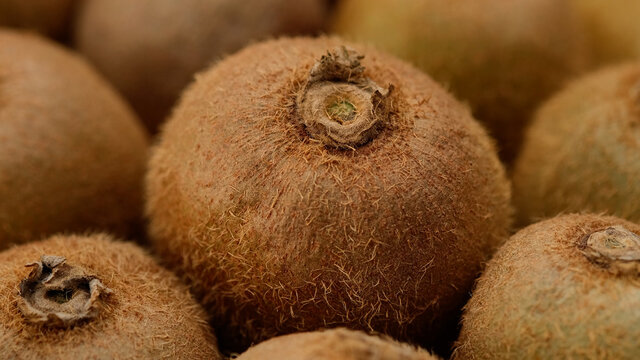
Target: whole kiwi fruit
503 57
299 186
49 17
612 27
582 151
91 297
564 288
336 344
151 49
72 153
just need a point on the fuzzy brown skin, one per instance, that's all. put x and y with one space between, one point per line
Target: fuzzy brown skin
277 233
151 49
148 315
582 151
49 17
72 153
503 57
541 298
337 344
612 27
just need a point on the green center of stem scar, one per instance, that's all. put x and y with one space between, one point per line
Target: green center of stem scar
341 111
613 244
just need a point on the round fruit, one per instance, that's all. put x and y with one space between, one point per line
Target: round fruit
50 17
72 154
612 27
89 297
564 288
299 186
338 344
150 49
582 151
503 57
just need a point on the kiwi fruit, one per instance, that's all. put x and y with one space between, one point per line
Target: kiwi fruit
612 27
72 153
502 57
581 152
336 344
91 297
564 288
49 17
299 186
150 49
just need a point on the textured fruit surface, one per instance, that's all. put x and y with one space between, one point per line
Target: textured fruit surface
147 314
50 17
503 57
72 154
338 344
559 289
298 186
582 151
151 49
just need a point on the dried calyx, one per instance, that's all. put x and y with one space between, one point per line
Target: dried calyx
341 107
58 294
614 248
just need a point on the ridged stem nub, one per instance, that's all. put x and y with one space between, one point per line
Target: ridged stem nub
614 248
341 107
59 295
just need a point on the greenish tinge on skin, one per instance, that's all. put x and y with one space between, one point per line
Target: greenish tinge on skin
616 150
606 146
541 318
341 111
613 244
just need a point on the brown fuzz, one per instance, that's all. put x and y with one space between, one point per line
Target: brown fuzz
615 249
293 193
57 294
563 288
96 298
336 344
339 105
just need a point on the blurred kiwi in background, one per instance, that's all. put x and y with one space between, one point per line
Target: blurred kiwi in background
150 49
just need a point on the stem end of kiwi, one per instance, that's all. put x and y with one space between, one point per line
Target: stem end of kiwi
614 248
56 294
341 107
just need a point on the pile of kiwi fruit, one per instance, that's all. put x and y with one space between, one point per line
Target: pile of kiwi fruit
319 179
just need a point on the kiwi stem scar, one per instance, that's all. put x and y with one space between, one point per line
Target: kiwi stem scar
614 248
341 111
341 107
58 294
